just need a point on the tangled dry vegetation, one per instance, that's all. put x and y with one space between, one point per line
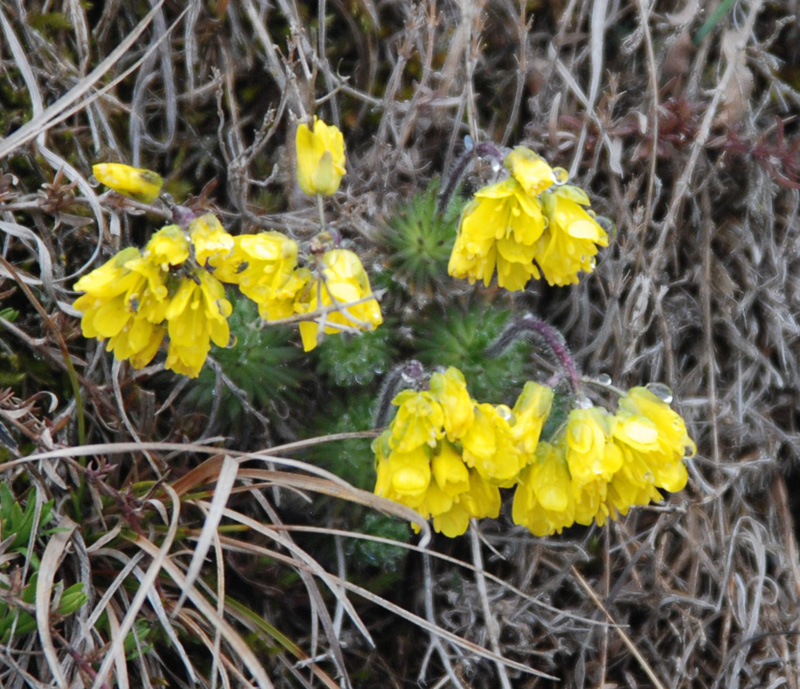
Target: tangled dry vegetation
201 569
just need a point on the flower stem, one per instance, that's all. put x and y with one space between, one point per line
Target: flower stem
551 337
321 211
410 374
482 151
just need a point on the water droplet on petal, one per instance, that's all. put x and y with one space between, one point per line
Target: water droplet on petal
560 175
649 478
504 412
663 392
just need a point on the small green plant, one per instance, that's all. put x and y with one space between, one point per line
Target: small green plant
17 597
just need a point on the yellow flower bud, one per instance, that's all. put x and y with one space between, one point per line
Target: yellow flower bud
136 183
320 158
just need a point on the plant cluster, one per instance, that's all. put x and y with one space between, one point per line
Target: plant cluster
175 285
447 455
444 454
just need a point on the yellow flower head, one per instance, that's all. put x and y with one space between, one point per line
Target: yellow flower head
450 389
489 446
166 248
209 238
569 244
320 158
403 476
264 266
590 453
136 183
197 315
499 228
530 413
124 300
544 500
482 499
449 470
654 441
479 501
530 170
342 282
418 422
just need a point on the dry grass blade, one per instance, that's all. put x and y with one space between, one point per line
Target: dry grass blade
224 483
39 123
48 567
232 639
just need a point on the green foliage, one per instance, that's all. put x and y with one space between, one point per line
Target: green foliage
49 23
138 642
387 557
15 618
353 460
417 241
16 523
16 530
460 339
264 363
354 360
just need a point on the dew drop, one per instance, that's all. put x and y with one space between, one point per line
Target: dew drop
468 143
603 379
649 478
560 175
504 412
663 392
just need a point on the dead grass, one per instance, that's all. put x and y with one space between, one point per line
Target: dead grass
692 150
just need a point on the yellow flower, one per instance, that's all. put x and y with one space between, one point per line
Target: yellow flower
489 446
418 422
530 170
209 238
654 440
264 266
591 455
454 522
482 499
124 301
450 389
320 158
449 470
544 500
570 242
167 248
197 315
343 281
136 183
499 228
530 413
591 501
403 476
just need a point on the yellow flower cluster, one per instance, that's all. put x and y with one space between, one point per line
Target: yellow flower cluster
446 456
526 226
175 287
138 297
